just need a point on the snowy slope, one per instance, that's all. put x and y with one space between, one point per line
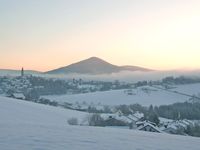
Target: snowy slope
117 97
154 96
188 89
18 111
25 125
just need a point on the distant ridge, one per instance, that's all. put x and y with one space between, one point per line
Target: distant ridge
12 71
94 66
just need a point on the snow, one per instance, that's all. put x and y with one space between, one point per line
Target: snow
146 124
189 88
165 120
19 95
117 97
118 116
145 96
32 113
85 138
122 118
26 125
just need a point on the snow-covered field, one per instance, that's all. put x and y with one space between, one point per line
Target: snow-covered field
29 126
188 89
141 96
18 111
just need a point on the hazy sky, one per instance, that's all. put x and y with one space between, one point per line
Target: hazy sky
46 34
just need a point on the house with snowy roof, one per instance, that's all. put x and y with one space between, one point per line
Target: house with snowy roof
142 123
172 129
175 126
19 96
149 127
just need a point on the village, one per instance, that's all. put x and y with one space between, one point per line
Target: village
136 121
32 88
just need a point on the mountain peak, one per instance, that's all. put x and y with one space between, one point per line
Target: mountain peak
91 58
94 66
94 59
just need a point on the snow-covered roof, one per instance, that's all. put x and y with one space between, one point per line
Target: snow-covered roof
171 126
150 125
133 118
138 115
117 117
144 122
19 95
175 125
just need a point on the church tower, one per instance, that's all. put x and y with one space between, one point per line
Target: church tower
22 72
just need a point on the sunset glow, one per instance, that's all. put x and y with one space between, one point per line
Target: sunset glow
44 35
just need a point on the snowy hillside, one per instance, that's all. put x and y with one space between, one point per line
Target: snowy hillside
188 89
144 95
25 125
18 111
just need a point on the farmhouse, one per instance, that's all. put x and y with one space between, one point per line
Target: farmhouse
149 127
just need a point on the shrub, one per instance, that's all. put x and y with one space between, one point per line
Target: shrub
95 120
72 121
